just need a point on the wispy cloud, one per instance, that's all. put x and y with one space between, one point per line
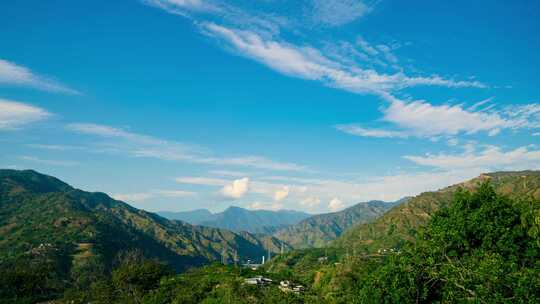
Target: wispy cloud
153 194
489 158
338 12
16 75
309 63
14 114
228 173
49 161
206 181
422 119
363 132
54 147
138 145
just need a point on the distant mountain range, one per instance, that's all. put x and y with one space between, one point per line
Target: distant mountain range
319 230
239 219
40 212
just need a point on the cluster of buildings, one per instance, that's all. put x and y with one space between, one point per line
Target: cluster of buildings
258 280
287 286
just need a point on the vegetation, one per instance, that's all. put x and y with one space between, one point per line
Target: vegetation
402 222
482 245
483 248
71 237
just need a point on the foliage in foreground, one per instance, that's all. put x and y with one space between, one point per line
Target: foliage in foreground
483 248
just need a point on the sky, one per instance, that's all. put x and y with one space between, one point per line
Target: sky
310 105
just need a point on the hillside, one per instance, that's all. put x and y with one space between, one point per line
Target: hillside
401 222
239 219
319 230
39 212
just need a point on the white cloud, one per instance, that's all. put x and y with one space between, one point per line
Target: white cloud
180 7
237 189
174 193
13 74
49 161
228 173
281 194
338 12
256 206
138 145
489 159
311 202
54 147
201 181
15 114
144 196
335 204
422 119
308 63
452 142
363 132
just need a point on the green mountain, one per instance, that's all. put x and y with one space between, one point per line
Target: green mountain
319 230
401 222
240 219
39 213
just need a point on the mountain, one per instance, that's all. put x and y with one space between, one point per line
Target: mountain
39 213
193 217
240 219
401 222
319 230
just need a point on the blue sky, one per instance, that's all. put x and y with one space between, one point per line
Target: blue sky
311 105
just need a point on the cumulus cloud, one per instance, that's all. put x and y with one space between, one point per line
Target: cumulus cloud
237 189
13 74
335 204
281 194
14 114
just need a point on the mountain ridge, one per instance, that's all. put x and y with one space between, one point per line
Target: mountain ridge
320 229
240 219
37 209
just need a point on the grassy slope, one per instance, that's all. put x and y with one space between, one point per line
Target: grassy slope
400 222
